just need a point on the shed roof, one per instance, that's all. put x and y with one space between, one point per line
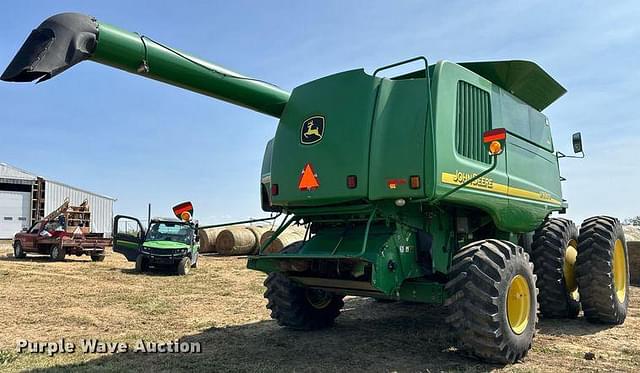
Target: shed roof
10 172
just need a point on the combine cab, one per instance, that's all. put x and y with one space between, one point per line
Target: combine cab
437 186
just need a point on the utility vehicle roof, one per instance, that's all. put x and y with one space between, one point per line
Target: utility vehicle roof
524 79
168 220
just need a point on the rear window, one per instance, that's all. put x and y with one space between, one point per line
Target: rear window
525 121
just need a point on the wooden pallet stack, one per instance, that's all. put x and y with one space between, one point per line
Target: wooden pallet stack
77 218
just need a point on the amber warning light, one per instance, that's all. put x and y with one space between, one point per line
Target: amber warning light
183 211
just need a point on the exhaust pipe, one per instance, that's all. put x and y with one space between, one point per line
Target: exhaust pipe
66 39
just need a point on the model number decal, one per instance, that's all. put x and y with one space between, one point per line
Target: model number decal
489 185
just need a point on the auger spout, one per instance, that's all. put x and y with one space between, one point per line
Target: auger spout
66 39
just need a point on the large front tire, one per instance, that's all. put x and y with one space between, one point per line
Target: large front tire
554 251
492 300
602 269
301 308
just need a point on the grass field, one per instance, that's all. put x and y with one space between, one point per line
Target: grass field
220 305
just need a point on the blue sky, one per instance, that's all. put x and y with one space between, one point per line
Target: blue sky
114 133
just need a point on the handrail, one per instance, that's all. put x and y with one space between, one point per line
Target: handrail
426 64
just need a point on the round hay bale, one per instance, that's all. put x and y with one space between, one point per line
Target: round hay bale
631 232
235 241
208 239
257 231
286 238
633 251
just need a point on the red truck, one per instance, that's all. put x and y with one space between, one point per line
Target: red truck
63 232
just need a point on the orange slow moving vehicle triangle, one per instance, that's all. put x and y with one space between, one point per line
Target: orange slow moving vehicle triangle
308 180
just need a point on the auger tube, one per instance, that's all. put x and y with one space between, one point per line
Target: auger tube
66 39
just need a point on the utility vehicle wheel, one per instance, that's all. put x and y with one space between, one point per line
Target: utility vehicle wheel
492 300
142 264
602 270
301 308
97 258
184 266
57 253
554 250
195 262
18 251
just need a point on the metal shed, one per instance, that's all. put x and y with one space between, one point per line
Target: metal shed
26 198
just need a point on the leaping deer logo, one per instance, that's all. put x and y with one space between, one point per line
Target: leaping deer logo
312 130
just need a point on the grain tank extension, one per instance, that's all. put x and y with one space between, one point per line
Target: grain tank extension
436 186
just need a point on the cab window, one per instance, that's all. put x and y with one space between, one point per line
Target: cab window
36 227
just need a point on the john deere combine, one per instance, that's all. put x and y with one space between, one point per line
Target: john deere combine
436 186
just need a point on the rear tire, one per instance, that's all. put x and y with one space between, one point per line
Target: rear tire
18 251
184 266
492 300
97 258
297 307
602 268
57 253
554 254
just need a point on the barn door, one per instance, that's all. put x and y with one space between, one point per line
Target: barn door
128 236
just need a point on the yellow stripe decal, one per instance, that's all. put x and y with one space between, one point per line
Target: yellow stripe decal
487 184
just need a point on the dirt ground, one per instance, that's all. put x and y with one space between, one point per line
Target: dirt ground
221 306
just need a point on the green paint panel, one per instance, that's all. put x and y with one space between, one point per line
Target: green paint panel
347 242
397 140
343 149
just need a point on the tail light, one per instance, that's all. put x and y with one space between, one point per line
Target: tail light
352 181
274 189
414 182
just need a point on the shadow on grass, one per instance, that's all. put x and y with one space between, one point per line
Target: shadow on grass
43 258
368 336
153 271
575 327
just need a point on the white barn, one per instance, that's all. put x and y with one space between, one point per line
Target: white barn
26 197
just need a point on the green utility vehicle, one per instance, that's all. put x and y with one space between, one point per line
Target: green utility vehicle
168 243
440 185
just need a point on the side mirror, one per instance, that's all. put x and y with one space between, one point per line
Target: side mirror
24 230
577 142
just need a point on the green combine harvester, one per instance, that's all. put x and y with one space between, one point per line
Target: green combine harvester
436 186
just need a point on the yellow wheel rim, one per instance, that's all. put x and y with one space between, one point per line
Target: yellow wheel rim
318 299
619 271
518 304
568 269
